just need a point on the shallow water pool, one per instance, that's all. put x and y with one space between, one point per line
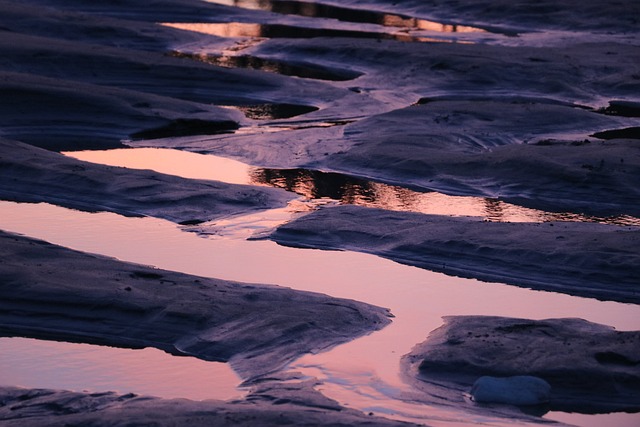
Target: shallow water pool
362 374
318 185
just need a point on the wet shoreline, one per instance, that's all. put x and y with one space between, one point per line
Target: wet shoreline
361 118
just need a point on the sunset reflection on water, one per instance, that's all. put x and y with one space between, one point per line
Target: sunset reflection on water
361 16
79 367
344 189
260 32
364 372
231 29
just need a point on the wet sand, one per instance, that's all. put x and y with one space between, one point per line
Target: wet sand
284 405
584 259
589 368
531 104
54 293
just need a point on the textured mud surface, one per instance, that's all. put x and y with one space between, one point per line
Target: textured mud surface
530 103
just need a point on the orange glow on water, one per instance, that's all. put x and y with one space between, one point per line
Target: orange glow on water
171 162
233 29
424 25
332 12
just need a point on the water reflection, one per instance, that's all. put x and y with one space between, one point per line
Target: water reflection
251 34
78 367
271 31
317 186
260 32
274 111
626 133
354 191
187 127
306 70
172 162
363 374
317 10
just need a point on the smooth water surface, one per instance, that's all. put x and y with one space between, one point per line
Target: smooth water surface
318 185
31 363
362 374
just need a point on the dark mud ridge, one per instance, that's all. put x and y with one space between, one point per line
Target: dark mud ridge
50 292
268 405
31 174
591 368
584 259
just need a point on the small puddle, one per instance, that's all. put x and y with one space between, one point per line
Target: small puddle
314 184
261 32
274 111
247 35
621 109
270 31
172 162
360 16
34 363
626 133
290 126
317 186
303 70
187 127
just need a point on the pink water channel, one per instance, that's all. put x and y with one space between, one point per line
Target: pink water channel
363 374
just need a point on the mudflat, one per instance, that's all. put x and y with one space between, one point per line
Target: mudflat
531 103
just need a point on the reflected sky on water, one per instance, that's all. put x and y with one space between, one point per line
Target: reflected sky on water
316 185
364 373
361 16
